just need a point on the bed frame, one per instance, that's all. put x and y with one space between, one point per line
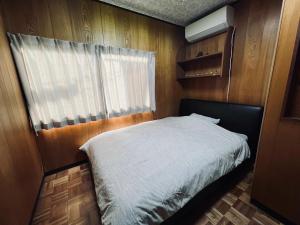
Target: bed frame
245 119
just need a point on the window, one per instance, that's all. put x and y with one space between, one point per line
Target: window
128 76
68 83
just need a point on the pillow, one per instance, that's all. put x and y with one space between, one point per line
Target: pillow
206 118
245 137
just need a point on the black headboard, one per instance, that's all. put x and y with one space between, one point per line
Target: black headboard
244 119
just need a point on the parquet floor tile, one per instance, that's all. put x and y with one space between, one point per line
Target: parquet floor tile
68 198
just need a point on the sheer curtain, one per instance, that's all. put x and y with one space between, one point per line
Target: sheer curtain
128 79
59 79
67 83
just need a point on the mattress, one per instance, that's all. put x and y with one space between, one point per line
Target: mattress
145 173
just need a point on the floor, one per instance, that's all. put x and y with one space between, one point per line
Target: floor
68 197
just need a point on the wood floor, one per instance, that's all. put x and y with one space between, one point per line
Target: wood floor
68 197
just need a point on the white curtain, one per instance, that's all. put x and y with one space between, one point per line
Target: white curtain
64 82
128 78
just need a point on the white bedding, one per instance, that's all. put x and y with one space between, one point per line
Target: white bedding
143 174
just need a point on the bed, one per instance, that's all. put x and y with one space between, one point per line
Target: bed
146 173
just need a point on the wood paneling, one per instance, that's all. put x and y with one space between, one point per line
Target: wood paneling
92 21
20 164
256 25
59 146
277 173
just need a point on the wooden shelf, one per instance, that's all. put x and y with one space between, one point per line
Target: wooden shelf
200 75
213 63
200 58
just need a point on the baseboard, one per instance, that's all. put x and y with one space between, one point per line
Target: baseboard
65 167
36 200
271 212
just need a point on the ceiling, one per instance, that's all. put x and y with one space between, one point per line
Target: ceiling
179 12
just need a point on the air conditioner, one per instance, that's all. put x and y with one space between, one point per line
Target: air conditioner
212 24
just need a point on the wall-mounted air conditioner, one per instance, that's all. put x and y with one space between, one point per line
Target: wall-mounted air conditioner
214 23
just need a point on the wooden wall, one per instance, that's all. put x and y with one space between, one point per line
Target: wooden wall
20 165
277 172
256 24
92 21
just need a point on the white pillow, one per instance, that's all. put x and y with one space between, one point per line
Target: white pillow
245 137
206 118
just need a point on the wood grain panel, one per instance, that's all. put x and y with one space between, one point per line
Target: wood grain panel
256 25
277 172
21 169
91 21
213 87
